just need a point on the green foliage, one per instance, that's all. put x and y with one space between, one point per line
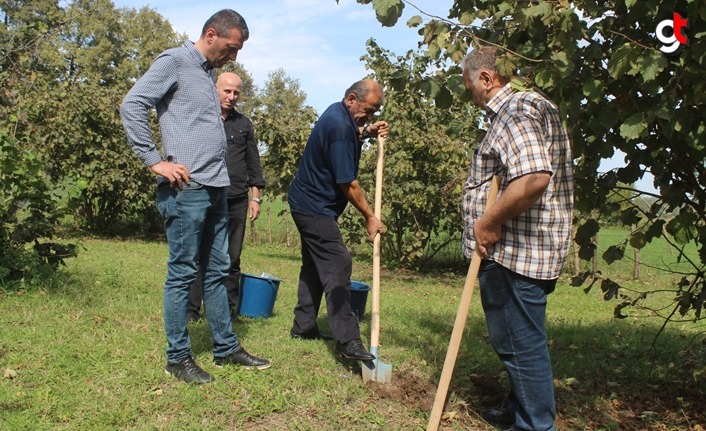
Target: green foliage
30 208
86 64
64 70
283 124
426 158
600 62
30 204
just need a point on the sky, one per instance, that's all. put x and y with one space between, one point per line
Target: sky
317 42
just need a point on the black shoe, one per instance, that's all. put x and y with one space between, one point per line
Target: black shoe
243 358
188 371
312 335
499 416
354 350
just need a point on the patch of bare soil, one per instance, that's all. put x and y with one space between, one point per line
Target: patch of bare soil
407 389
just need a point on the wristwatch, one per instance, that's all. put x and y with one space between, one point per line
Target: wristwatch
254 199
366 134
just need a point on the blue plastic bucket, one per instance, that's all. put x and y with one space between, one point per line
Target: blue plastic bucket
359 297
257 295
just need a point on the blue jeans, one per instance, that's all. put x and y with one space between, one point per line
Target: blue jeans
237 221
515 308
196 223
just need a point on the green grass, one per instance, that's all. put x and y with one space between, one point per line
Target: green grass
90 355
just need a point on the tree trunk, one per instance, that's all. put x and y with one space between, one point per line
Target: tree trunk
594 260
636 258
269 225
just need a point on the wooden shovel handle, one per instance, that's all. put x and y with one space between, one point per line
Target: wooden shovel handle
459 325
375 318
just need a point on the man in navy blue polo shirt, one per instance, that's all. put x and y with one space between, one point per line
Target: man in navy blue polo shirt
325 183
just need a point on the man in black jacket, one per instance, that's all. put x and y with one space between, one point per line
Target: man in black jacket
245 175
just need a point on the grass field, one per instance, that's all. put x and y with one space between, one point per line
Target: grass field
89 355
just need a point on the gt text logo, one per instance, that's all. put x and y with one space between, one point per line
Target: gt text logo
675 39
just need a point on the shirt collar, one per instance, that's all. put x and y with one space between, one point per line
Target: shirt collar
496 102
343 106
231 114
196 54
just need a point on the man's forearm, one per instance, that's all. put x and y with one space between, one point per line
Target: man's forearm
356 197
519 196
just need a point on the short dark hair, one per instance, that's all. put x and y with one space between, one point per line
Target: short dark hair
224 21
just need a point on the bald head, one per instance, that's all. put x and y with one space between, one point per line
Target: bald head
228 86
363 88
364 99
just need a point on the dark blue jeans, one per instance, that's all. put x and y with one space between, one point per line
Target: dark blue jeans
195 221
515 308
237 220
326 270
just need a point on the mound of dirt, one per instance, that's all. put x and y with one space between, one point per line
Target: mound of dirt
412 391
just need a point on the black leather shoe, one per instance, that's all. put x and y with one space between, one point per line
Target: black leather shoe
188 371
312 335
354 350
499 416
243 358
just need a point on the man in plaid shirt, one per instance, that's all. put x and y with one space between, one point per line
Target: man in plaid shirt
524 238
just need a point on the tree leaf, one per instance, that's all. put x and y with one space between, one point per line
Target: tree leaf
594 90
630 3
388 11
506 66
586 232
610 289
455 84
443 99
614 253
430 87
561 62
651 64
630 217
638 240
634 126
623 60
539 10
682 227
544 78
415 21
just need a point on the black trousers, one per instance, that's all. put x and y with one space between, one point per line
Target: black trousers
237 221
326 270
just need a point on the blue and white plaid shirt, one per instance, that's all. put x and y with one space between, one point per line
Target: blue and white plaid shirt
179 84
525 136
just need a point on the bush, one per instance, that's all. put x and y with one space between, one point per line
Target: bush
30 207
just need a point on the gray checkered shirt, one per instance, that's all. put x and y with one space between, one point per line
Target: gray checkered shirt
525 136
179 84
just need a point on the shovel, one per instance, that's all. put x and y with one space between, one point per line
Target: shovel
460 323
376 370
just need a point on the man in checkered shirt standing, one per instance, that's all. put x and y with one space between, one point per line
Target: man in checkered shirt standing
524 238
192 180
